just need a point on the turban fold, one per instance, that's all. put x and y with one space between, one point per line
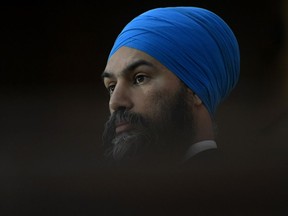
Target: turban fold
193 43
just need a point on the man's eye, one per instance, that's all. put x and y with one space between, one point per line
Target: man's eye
140 79
111 89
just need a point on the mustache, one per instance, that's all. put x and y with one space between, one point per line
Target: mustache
121 116
125 116
109 135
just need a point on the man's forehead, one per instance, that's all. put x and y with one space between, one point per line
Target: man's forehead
126 60
126 56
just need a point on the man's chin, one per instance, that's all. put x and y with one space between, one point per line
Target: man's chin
132 151
126 146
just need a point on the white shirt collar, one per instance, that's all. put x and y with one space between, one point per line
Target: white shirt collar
199 147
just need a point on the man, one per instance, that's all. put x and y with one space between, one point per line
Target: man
166 74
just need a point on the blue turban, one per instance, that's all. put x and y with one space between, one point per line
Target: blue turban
194 43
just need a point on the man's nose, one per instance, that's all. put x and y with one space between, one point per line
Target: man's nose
120 98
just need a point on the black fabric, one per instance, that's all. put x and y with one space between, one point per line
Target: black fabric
210 183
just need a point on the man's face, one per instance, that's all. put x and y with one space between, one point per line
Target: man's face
150 115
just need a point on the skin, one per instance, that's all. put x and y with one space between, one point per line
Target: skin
139 83
132 88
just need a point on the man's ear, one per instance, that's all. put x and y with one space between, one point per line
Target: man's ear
196 100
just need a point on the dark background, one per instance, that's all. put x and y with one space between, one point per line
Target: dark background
53 105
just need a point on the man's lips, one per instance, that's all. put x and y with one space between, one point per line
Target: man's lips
122 127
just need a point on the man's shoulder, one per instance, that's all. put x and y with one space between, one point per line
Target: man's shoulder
204 154
206 162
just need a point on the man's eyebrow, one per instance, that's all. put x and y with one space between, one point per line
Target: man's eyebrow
106 74
131 67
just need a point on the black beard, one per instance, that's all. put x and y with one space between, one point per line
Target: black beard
127 145
152 141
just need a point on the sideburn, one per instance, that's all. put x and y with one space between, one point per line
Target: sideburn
174 123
